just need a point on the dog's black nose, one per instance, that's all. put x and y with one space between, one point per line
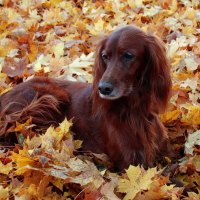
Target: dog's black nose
105 88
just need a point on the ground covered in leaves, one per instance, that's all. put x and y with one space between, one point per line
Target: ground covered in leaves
57 38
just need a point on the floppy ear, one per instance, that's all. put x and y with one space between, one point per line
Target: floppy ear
158 70
99 65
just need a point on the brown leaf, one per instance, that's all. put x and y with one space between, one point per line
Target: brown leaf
15 67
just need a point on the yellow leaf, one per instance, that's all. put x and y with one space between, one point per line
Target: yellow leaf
158 190
25 4
167 187
173 6
4 193
194 196
189 14
33 143
4 51
22 160
182 76
58 183
2 75
1 69
80 25
98 27
138 180
170 116
53 137
77 144
135 3
48 139
32 189
55 2
192 117
6 90
40 61
33 52
64 126
20 127
188 30
5 169
58 50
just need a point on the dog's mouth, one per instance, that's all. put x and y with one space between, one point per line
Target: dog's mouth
109 97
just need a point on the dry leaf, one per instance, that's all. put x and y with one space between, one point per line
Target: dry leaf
193 139
137 180
5 169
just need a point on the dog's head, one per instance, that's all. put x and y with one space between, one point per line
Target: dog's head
129 60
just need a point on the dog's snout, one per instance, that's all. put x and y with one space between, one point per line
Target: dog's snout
105 88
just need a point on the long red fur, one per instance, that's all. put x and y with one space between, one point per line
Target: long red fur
128 128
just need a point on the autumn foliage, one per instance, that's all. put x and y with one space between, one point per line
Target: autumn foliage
57 38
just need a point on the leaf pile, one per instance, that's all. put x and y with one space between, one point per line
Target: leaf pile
57 38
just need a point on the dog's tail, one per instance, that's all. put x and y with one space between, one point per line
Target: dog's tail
43 111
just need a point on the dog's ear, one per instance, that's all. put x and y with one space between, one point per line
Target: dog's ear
158 71
99 65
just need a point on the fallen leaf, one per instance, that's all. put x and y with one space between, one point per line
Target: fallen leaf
170 116
108 191
193 139
4 193
5 169
137 180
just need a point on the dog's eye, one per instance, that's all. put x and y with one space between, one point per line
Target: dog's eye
104 56
127 56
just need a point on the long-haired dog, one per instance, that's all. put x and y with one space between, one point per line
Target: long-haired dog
118 113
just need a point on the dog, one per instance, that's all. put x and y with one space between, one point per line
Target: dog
118 114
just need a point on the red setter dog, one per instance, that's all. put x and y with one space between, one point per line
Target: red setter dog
118 113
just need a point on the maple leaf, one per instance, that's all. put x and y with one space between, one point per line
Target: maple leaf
137 180
58 172
15 67
40 63
98 27
23 161
108 191
170 116
5 169
78 67
192 115
194 196
83 61
4 192
192 140
88 173
192 62
33 143
52 138
191 83
33 52
58 50
134 4
20 127
158 190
